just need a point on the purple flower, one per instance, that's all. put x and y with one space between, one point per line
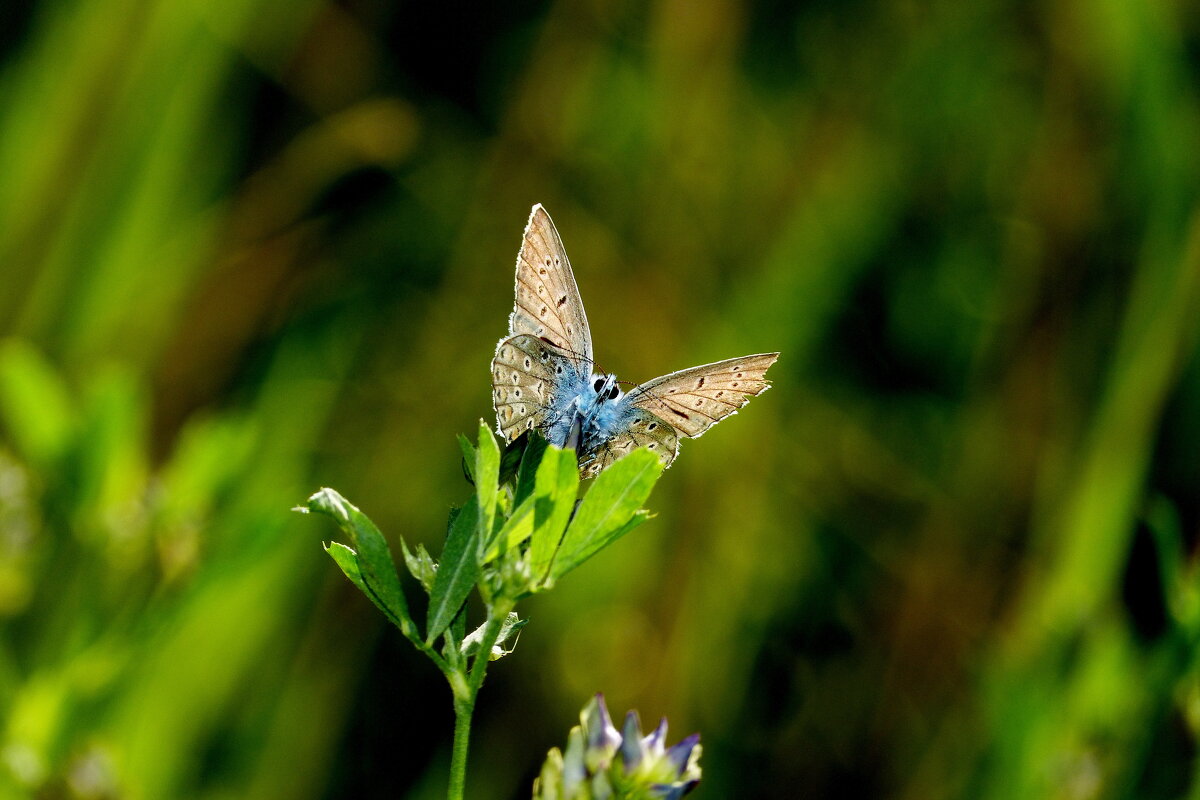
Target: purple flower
602 762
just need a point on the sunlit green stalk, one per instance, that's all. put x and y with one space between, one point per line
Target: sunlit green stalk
465 687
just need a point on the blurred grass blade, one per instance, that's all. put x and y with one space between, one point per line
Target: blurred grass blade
610 509
34 402
457 571
376 567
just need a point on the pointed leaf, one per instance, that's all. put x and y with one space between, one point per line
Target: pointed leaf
535 447
420 565
487 472
515 529
554 494
376 569
468 453
609 510
457 571
510 459
347 559
564 565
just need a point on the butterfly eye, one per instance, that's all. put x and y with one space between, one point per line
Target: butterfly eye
598 384
613 392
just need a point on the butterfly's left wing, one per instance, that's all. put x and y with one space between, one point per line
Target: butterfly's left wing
693 400
532 385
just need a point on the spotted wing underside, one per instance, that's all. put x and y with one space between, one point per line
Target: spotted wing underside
548 304
525 374
693 400
643 430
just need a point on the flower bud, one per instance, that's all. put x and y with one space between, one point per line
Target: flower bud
602 763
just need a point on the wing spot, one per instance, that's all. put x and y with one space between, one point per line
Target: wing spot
547 264
506 353
557 261
559 369
529 425
699 383
542 313
698 402
563 300
545 354
516 378
517 392
734 384
738 375
521 409
720 393
653 445
528 363
652 426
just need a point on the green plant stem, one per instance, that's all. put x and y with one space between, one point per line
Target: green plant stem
463 709
465 687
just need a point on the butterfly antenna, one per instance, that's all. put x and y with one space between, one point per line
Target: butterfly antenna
569 351
650 394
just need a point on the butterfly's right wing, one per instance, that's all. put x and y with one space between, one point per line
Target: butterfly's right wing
643 429
693 400
531 385
547 300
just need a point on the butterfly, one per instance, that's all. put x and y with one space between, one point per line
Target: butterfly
543 379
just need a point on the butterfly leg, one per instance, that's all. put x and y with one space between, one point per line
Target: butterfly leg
575 434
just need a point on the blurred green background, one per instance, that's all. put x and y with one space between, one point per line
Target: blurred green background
252 247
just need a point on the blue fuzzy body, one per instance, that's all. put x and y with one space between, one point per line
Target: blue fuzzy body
600 416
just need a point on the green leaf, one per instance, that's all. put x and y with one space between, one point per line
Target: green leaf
563 566
516 529
347 559
510 459
487 473
554 494
469 456
510 627
535 447
377 571
420 564
457 571
610 509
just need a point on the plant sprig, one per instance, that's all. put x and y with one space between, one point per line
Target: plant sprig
522 530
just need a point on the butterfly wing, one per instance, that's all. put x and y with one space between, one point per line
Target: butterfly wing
548 304
531 384
641 429
693 400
